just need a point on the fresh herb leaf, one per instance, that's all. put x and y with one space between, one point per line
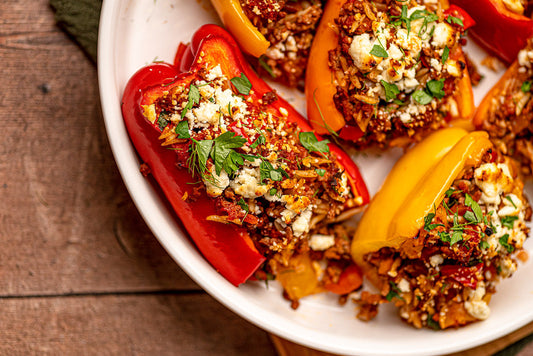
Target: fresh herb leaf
391 90
267 171
193 98
320 171
484 245
445 54
242 84
470 217
261 140
273 191
311 143
508 197
243 205
526 87
199 153
508 221
456 237
265 66
432 323
449 192
379 51
504 241
471 203
394 292
436 88
455 20
422 97
162 121
182 129
223 146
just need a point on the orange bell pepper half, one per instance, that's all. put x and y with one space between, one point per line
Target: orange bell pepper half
322 83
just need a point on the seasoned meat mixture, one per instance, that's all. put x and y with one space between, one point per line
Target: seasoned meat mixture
397 66
509 122
282 184
444 276
289 26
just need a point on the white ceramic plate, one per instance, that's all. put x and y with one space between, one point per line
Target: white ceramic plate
135 33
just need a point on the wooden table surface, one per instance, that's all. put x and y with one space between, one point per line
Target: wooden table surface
80 272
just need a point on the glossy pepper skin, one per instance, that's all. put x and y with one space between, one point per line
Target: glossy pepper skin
501 31
320 87
414 186
238 24
227 247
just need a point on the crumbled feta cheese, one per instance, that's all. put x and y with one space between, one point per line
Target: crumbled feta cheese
360 52
301 223
214 183
404 286
493 179
436 260
442 36
214 73
247 184
319 242
475 305
453 68
508 267
525 58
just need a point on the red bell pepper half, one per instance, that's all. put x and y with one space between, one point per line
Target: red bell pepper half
228 247
503 32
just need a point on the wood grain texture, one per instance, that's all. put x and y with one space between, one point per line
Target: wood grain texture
127 325
67 224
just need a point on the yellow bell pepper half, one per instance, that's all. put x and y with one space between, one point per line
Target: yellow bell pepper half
414 186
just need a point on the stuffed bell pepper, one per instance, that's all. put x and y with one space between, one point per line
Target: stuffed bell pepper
448 224
384 73
506 112
502 26
278 33
253 185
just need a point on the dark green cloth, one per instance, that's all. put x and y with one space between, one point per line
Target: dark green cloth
80 18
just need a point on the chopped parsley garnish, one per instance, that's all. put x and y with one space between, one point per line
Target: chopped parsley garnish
484 245
428 226
243 205
394 292
471 203
391 90
508 221
445 54
193 98
162 121
422 97
432 323
261 140
242 84
526 86
221 150
311 143
436 88
272 191
508 197
455 21
428 17
182 129
379 51
320 171
504 241
267 171
265 66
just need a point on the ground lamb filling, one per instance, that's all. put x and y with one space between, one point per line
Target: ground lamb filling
289 26
510 121
396 66
283 185
445 276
